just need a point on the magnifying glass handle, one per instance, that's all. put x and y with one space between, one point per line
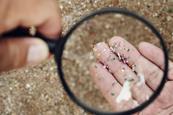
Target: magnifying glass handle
23 32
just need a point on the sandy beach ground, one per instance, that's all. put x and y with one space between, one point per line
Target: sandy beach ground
38 91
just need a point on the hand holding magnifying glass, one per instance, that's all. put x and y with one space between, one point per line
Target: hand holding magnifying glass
125 75
42 14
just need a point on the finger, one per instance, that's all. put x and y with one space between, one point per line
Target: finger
166 97
52 27
48 19
155 55
152 109
140 91
142 66
109 87
167 111
163 102
15 53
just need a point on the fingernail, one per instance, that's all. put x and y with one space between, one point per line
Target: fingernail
37 53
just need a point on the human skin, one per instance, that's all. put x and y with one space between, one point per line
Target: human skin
148 60
19 52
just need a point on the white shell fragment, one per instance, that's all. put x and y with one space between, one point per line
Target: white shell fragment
119 56
125 93
112 49
135 103
141 80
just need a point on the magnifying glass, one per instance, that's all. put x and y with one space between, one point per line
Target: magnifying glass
100 72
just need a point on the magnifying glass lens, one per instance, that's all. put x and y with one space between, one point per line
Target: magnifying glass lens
107 63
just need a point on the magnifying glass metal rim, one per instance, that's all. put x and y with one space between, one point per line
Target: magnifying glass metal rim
61 45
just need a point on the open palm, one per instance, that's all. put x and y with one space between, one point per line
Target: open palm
121 66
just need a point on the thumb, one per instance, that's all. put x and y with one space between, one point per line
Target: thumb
16 53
